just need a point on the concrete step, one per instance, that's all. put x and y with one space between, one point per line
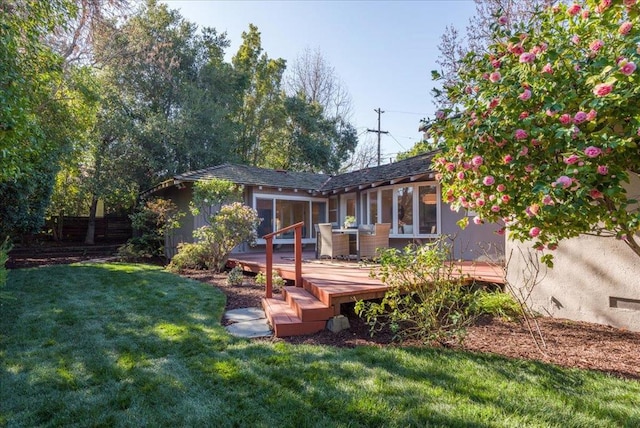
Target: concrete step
284 320
306 306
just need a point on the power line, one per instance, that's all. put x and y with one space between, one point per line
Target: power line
378 131
403 148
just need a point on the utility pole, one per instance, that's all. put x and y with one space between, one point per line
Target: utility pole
378 131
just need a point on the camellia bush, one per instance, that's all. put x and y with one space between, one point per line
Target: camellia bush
545 126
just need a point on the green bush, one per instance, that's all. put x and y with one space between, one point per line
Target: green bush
235 276
153 221
276 280
425 299
498 304
189 256
4 256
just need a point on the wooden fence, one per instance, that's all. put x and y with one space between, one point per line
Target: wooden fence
74 229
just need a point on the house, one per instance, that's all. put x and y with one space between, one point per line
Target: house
404 194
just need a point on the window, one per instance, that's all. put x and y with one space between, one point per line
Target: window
412 210
277 212
333 209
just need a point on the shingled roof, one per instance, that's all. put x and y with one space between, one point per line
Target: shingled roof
412 168
255 176
405 170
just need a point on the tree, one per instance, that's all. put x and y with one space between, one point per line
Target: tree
454 46
545 127
312 76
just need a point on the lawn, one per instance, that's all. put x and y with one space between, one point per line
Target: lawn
132 345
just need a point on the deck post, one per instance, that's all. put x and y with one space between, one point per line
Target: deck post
269 244
298 258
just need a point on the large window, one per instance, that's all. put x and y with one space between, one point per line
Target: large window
412 210
278 212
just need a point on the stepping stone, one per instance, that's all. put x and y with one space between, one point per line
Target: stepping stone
244 314
249 329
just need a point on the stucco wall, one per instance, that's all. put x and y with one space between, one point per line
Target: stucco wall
593 279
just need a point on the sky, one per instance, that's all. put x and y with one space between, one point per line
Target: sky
382 51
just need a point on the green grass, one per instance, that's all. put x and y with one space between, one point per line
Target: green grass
130 345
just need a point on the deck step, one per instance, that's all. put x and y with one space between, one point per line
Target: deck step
306 306
284 320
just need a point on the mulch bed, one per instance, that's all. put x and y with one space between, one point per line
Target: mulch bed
568 343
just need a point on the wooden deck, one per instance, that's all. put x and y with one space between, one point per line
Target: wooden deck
326 285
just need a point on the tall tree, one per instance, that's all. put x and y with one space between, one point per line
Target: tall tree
261 113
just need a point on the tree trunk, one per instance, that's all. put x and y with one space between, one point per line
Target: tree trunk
91 227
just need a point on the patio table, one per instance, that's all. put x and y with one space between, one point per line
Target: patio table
351 231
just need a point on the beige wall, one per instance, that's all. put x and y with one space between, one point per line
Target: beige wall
594 279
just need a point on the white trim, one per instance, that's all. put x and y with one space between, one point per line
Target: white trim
279 197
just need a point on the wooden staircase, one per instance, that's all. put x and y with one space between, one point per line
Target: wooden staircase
298 311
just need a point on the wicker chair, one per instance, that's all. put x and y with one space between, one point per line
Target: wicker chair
331 244
371 241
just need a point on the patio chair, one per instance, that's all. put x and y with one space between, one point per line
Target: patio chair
331 244
371 240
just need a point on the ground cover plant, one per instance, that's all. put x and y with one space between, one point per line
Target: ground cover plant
132 345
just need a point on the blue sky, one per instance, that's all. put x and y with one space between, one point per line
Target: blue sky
383 51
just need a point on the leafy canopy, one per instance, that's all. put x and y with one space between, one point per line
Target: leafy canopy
543 130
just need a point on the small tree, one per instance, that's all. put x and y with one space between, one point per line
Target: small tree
544 129
153 221
232 225
210 195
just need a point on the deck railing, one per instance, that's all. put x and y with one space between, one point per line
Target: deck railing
297 228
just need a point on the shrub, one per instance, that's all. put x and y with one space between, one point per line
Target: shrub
232 225
190 256
235 276
276 280
498 304
425 299
4 256
153 221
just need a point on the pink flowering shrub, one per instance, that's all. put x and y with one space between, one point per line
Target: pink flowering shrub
558 167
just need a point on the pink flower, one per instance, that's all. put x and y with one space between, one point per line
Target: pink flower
547 68
503 20
535 231
524 115
627 67
585 14
591 115
520 134
565 119
604 5
488 180
563 181
477 160
546 199
603 169
571 159
579 117
450 167
460 175
592 152
525 95
595 194
596 45
496 63
505 199
574 9
494 103
529 168
550 112
625 28
527 57
500 231
459 149
575 39
495 208
495 76
535 142
501 187
524 151
602 89
507 159
440 114
477 220
480 202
